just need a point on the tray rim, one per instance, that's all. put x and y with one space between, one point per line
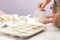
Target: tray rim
26 37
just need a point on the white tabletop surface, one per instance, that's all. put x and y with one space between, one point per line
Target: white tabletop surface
51 33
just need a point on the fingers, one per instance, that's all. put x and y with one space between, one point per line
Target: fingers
43 4
49 16
48 21
42 9
53 16
40 5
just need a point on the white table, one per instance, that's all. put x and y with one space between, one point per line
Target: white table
51 33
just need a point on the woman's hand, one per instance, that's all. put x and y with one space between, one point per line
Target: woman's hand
43 4
55 18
